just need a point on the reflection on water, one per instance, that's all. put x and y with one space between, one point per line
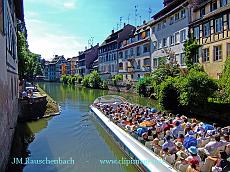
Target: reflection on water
74 134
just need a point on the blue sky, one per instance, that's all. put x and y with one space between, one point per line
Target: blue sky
64 27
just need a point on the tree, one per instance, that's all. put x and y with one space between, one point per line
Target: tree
196 88
191 50
28 64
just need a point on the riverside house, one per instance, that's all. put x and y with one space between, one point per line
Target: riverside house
108 51
170 28
134 54
210 26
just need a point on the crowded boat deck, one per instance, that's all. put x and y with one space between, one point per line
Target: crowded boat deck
172 140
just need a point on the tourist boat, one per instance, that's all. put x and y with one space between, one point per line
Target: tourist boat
132 147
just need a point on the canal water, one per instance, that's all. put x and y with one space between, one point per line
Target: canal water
73 134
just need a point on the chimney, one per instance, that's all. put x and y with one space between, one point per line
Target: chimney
124 24
112 31
144 22
85 47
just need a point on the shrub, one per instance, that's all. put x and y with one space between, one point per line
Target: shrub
168 94
195 88
104 85
143 86
64 79
85 81
94 80
116 78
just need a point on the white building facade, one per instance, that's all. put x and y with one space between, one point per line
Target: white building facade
169 31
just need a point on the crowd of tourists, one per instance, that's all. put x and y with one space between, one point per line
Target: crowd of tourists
187 144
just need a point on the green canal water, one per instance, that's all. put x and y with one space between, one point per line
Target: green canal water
73 134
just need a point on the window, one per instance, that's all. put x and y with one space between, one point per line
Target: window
217 53
205 55
177 37
131 51
206 29
138 51
159 26
228 50
146 48
223 3
153 29
183 59
202 12
182 35
177 58
155 63
126 54
159 44
171 20
172 38
164 42
147 62
164 24
177 16
182 13
196 32
213 6
218 25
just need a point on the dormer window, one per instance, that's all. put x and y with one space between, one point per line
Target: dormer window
213 6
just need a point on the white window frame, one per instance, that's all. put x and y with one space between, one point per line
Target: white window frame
219 24
205 55
172 40
177 41
183 35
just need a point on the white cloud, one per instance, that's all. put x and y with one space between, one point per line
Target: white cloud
48 39
60 4
69 5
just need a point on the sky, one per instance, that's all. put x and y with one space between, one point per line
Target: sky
64 27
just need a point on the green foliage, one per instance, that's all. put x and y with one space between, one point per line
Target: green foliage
71 80
196 88
142 86
28 63
104 85
116 78
94 80
225 82
85 81
164 71
168 93
191 49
